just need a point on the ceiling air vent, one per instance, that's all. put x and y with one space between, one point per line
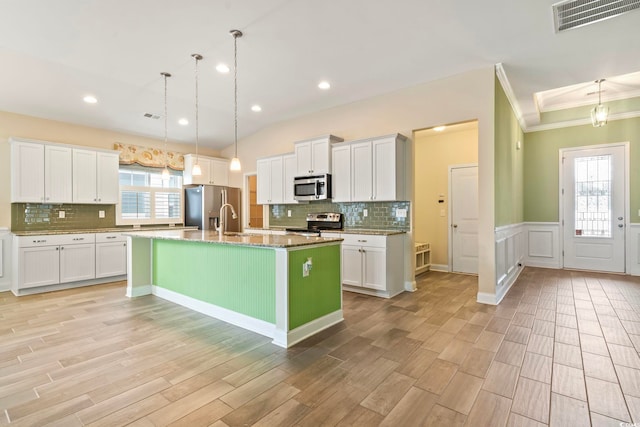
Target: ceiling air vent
151 116
576 13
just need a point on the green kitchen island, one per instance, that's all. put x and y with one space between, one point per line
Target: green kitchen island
284 287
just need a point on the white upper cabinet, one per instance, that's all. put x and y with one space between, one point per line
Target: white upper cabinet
58 174
313 156
270 175
289 173
40 173
95 177
369 170
214 171
361 172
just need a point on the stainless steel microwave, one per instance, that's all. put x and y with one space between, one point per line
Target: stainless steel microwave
313 187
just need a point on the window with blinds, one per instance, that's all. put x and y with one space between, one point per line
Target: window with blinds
145 198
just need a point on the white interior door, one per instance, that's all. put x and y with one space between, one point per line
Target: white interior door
593 201
464 219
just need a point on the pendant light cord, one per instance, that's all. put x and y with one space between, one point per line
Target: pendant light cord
165 75
197 57
235 91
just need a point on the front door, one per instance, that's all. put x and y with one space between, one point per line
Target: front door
464 219
593 202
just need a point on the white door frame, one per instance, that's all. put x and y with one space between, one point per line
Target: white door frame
449 213
627 195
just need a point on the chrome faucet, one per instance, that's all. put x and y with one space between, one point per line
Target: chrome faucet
221 223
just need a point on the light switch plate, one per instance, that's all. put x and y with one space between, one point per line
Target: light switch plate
289 213
61 214
401 213
100 214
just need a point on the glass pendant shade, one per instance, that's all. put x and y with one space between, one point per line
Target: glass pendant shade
599 115
235 164
196 171
165 174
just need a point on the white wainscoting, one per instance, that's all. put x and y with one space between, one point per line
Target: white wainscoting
5 259
509 257
542 244
633 249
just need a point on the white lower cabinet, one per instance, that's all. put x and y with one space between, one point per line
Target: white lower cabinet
77 262
373 264
38 266
111 255
67 259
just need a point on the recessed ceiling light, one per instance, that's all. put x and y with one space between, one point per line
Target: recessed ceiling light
439 128
222 68
256 108
183 121
90 99
324 85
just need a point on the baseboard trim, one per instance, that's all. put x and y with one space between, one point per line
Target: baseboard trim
443 268
301 333
486 298
252 324
139 291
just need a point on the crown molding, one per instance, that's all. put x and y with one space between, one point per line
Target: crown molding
582 122
508 90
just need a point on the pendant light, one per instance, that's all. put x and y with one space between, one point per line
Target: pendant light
235 162
599 113
196 171
165 172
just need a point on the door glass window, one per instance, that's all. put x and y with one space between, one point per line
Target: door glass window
593 196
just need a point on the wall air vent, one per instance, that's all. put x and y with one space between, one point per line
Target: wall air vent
151 116
577 13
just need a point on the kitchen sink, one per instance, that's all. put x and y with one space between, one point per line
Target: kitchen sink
237 234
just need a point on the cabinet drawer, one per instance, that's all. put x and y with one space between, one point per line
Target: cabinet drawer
54 240
110 237
365 240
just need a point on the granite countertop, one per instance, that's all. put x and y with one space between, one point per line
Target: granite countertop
242 239
98 230
367 231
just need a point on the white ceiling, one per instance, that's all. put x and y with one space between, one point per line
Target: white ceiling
52 53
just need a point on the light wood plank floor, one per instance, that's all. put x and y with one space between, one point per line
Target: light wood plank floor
561 349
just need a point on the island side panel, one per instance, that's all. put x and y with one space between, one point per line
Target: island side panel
237 278
319 293
139 268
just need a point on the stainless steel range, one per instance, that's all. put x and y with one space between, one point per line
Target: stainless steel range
317 222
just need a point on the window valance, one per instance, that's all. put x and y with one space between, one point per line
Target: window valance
149 156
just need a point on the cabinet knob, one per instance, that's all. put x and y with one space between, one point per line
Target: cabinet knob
124 244
57 248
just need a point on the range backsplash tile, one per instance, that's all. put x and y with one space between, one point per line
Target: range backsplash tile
39 217
381 215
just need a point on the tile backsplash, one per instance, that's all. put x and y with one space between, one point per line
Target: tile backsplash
39 217
381 215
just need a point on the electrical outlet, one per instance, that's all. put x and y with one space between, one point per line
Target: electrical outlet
365 212
289 213
61 214
401 213
100 214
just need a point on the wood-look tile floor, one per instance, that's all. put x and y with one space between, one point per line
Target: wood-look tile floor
561 349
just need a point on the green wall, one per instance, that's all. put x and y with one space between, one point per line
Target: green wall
541 167
319 293
508 162
238 278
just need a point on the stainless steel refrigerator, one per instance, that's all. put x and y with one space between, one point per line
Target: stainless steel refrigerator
203 203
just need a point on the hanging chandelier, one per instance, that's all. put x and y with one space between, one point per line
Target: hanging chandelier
599 113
